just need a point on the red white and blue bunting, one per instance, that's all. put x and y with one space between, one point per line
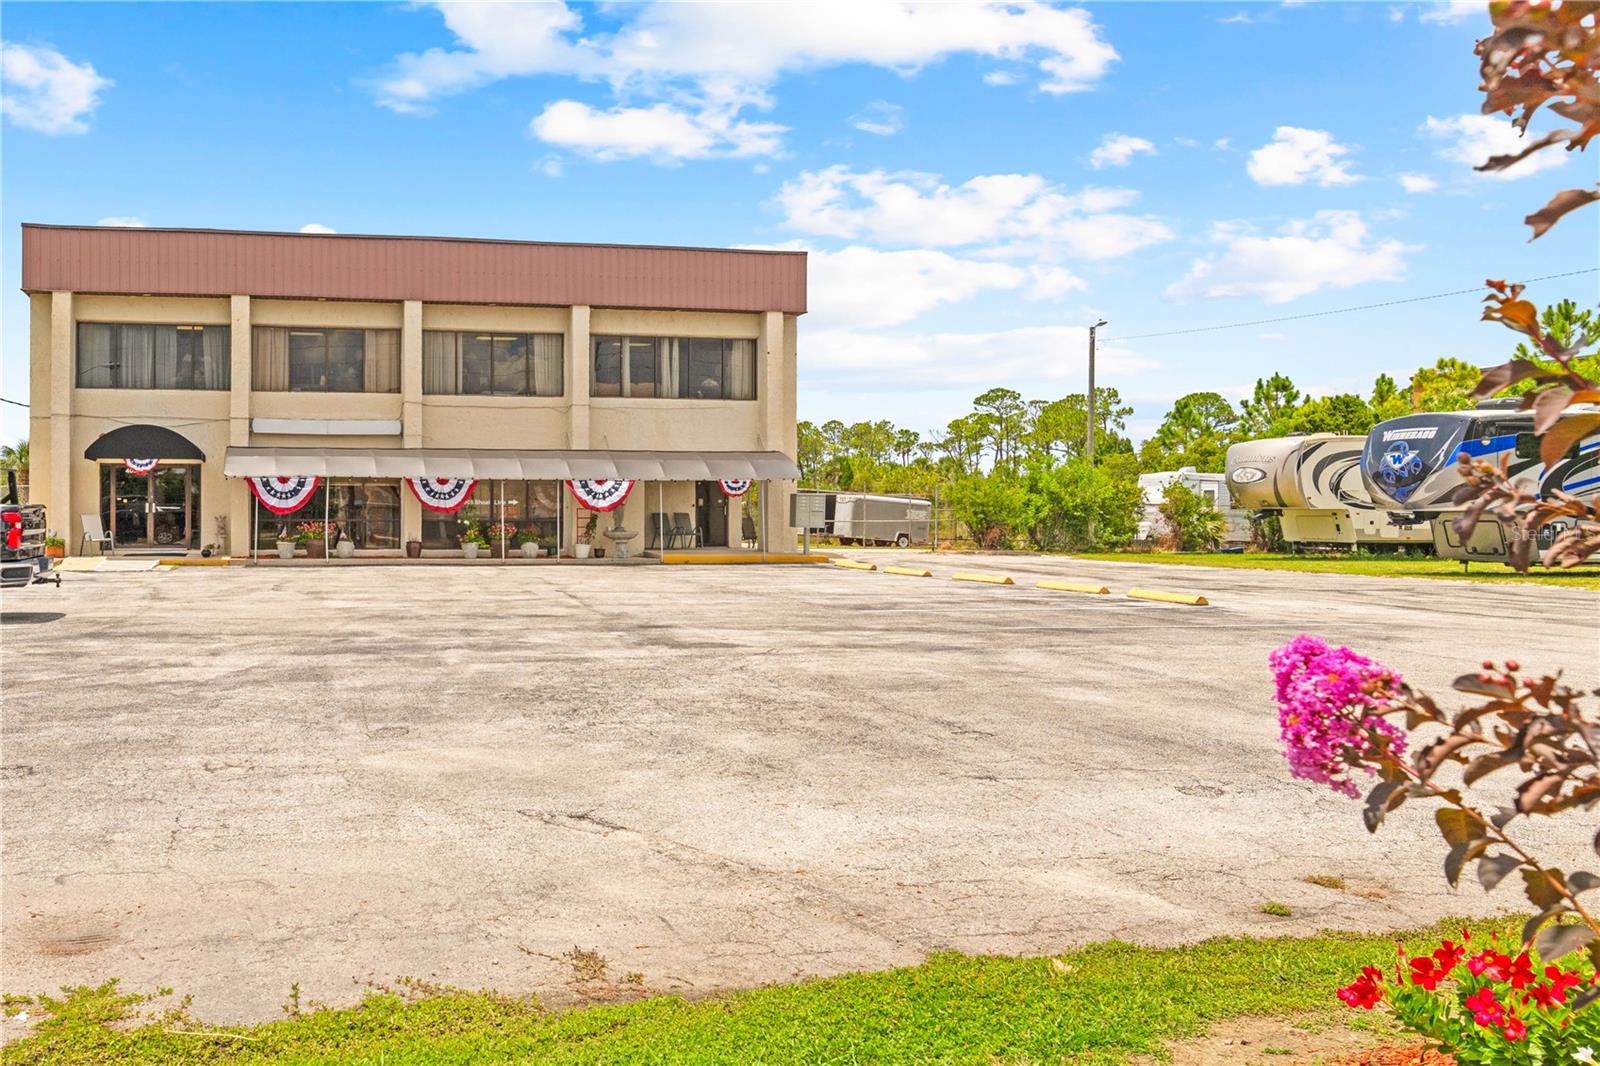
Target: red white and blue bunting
283 495
737 487
141 466
601 495
445 495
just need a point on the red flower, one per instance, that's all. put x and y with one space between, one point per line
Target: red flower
1449 955
1495 966
1514 1030
1365 991
1424 974
1486 1010
1521 972
1561 981
1544 995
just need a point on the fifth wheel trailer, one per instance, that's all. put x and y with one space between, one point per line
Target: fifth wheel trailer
1313 484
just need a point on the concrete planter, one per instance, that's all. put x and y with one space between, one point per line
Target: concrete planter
285 549
469 551
530 550
345 549
580 551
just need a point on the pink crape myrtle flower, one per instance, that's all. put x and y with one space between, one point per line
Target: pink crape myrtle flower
1329 701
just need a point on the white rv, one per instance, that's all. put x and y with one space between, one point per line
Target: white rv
1312 482
1213 487
1411 465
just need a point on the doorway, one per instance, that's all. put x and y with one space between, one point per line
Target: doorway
155 510
711 513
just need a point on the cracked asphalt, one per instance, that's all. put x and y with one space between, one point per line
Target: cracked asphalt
230 780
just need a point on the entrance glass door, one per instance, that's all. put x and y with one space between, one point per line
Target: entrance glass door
711 513
155 510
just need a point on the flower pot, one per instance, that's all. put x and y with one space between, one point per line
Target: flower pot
496 550
530 550
56 551
316 549
413 549
345 549
580 551
469 551
285 549
205 553
599 553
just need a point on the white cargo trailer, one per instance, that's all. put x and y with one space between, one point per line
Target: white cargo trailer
869 518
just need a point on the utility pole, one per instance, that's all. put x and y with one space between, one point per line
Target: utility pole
1089 448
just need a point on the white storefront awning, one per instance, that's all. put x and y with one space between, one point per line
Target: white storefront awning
495 464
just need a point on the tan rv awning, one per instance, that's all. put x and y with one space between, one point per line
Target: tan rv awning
495 464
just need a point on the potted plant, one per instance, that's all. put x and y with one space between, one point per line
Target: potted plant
472 539
343 546
498 535
582 548
528 542
285 542
55 547
208 551
413 549
315 536
548 549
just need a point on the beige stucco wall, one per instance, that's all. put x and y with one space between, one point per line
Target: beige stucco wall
64 419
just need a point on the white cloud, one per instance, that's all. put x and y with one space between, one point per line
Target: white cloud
44 91
317 227
1019 213
1474 138
1270 337
832 358
1118 150
1444 12
1238 18
1000 77
881 118
1222 144
1332 249
551 166
1417 183
129 221
1295 156
710 61
662 132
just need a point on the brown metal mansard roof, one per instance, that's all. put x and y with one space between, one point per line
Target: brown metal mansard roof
205 262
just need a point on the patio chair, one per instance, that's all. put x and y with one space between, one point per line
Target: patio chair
747 531
95 533
683 530
655 528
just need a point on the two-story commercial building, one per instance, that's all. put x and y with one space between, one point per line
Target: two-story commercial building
169 367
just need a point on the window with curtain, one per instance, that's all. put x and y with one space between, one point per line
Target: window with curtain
292 359
126 356
491 364
695 368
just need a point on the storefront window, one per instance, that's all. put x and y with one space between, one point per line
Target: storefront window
528 505
365 512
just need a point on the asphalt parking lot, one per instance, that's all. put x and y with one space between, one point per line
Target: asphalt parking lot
230 780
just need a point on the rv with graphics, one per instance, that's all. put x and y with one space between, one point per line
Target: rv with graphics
1312 482
1410 465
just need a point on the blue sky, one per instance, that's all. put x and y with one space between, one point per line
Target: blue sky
976 183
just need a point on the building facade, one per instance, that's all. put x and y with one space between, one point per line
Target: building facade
366 360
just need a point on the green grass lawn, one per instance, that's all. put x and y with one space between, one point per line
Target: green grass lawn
1095 1006
1372 566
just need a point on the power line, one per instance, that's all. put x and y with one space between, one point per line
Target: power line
1338 310
18 403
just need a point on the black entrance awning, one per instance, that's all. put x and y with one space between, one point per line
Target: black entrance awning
143 442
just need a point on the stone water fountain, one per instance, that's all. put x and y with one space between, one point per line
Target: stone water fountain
618 536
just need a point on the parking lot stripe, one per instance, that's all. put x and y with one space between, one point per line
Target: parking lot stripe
1073 586
1169 597
851 564
907 571
987 579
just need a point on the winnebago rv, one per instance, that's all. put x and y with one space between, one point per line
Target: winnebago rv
865 518
1213 487
1410 465
1313 484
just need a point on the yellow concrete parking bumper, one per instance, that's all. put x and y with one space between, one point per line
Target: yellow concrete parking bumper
907 571
851 564
987 579
1074 586
1184 598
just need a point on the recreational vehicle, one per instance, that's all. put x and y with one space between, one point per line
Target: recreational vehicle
1312 482
1410 465
1213 487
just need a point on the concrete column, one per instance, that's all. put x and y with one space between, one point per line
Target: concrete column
575 368
39 363
411 377
63 368
410 516
775 382
240 370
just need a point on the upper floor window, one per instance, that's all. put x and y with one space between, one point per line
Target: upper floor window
694 368
491 364
291 359
117 356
